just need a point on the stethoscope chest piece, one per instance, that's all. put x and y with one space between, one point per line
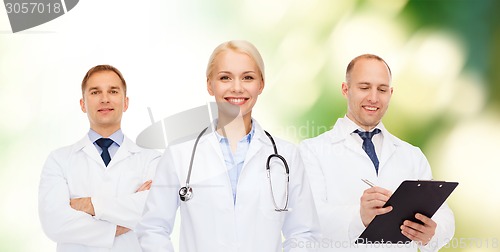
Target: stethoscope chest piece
186 193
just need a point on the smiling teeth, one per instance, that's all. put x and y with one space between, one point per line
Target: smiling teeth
237 100
371 108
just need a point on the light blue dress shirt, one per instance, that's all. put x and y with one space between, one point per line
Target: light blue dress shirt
235 161
117 137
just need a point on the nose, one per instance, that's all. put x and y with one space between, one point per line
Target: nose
237 87
373 96
104 97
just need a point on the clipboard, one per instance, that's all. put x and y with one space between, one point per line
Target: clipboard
411 197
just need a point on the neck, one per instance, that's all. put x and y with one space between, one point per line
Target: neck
364 127
234 129
105 131
367 128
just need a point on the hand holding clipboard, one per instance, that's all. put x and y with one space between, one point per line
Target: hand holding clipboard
411 197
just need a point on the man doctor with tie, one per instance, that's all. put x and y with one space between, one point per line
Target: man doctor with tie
360 147
92 193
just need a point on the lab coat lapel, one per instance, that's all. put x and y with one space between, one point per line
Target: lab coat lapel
341 133
355 146
216 148
127 149
88 148
254 148
388 148
256 144
215 145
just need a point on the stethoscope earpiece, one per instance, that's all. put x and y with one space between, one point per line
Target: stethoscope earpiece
185 193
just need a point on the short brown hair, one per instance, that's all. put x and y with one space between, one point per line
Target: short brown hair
363 56
101 68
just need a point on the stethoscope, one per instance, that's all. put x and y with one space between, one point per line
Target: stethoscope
186 192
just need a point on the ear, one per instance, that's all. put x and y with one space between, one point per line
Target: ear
261 87
82 105
125 104
209 88
345 89
392 90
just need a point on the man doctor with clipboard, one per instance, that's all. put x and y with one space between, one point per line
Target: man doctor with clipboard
360 147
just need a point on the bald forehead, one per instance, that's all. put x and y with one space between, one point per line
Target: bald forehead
369 71
366 67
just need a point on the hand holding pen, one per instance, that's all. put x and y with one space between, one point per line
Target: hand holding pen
372 202
421 233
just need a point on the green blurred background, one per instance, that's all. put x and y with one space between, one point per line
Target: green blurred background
444 55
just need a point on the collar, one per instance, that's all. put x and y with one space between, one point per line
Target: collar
117 136
126 143
248 136
344 127
351 126
256 133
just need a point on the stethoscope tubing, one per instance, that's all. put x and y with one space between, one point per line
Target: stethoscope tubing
185 193
192 156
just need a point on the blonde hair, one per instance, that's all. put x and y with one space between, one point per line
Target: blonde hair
241 46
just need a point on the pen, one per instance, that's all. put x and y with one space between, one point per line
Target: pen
368 182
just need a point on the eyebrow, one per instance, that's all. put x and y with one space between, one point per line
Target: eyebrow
369 83
228 72
96 88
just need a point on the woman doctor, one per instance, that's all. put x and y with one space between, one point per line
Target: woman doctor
228 202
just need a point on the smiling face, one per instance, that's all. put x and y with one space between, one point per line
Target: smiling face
368 91
235 82
104 102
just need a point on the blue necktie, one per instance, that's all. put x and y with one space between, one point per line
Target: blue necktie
368 145
104 143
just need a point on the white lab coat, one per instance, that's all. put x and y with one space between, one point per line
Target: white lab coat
211 221
78 171
335 164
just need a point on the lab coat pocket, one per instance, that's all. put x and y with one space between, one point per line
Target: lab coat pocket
269 213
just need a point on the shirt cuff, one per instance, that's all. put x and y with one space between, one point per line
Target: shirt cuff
97 202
